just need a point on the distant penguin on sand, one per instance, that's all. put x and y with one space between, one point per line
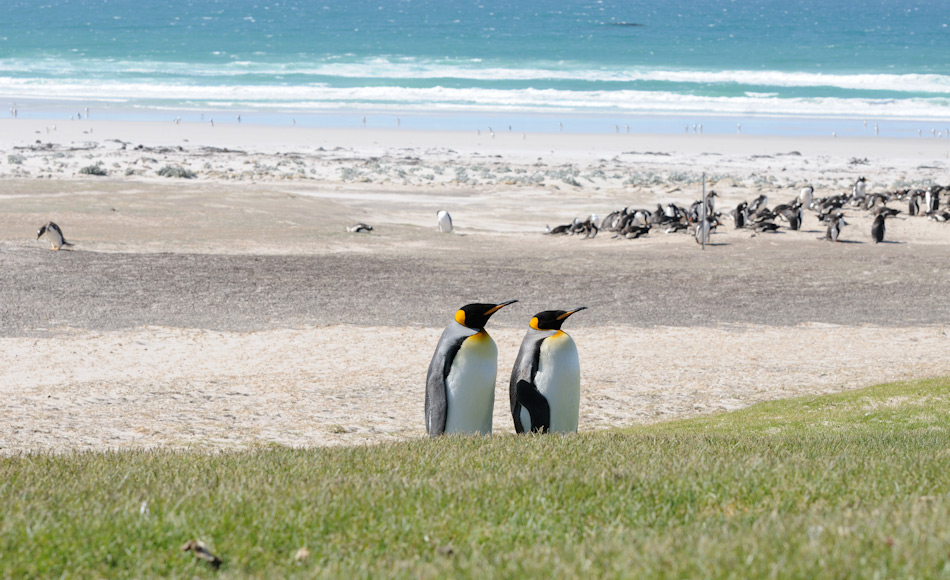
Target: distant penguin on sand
758 203
860 187
806 195
834 228
931 200
740 215
544 390
877 228
445 221
54 234
359 228
913 207
703 229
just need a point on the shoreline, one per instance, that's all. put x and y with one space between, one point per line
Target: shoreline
510 146
696 123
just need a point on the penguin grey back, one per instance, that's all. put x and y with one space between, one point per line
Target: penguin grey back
436 397
460 384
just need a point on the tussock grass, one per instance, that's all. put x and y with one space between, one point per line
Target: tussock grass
855 485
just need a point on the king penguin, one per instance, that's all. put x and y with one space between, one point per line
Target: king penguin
460 385
545 387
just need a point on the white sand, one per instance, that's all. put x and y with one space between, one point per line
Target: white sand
159 387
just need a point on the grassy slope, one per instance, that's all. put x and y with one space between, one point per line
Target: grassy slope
852 485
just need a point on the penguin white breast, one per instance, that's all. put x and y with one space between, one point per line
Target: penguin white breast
470 386
445 222
559 380
54 237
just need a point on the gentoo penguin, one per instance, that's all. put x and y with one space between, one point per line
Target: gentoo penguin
704 228
792 214
913 208
359 228
765 227
445 221
545 387
888 211
740 215
711 202
834 228
806 195
460 386
54 234
931 200
758 203
877 228
860 187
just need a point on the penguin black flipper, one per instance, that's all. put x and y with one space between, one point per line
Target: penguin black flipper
436 396
877 229
537 406
526 366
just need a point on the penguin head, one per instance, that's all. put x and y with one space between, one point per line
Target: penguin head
41 231
552 319
475 316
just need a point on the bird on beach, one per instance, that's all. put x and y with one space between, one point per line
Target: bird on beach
758 203
860 187
806 195
834 227
913 205
445 221
932 199
544 390
791 214
740 215
54 234
877 228
359 228
704 228
460 384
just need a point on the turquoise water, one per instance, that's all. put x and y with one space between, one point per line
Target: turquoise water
776 67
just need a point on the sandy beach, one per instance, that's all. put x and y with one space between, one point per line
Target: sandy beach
232 308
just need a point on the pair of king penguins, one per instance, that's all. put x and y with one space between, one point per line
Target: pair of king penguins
544 389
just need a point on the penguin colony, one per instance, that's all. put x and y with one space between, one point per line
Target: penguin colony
632 223
544 389
756 215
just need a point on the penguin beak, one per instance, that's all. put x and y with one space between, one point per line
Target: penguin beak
569 312
491 311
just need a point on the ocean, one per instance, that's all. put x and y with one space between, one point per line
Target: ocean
756 66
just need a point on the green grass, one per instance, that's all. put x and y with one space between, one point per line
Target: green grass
855 485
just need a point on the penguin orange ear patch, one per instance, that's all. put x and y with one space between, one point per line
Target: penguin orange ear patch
534 323
460 317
